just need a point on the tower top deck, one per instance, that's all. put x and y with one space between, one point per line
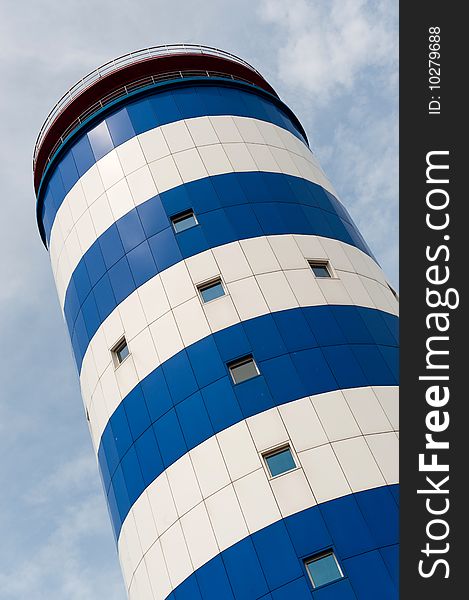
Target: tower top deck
127 74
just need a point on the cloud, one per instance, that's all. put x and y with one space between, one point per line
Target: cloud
337 64
60 566
366 167
327 45
66 479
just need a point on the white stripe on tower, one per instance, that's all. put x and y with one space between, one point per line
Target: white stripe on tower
161 159
261 275
220 492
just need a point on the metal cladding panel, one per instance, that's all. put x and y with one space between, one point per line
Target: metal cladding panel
181 446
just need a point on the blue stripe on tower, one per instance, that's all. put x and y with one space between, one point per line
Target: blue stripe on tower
362 529
158 109
228 207
191 397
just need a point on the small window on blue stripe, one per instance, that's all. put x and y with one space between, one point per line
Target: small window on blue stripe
120 352
323 568
183 221
243 369
280 461
211 290
320 268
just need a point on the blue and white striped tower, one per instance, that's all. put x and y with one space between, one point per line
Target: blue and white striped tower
236 340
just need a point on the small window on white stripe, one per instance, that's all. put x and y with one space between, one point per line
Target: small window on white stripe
120 352
393 291
320 268
211 290
279 461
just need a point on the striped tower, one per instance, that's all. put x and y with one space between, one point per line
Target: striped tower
235 339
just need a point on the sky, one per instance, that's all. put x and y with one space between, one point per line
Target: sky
334 62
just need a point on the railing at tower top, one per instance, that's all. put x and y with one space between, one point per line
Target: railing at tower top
119 63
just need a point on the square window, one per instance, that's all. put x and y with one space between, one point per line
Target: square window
243 369
120 352
211 290
320 268
280 461
323 568
184 221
